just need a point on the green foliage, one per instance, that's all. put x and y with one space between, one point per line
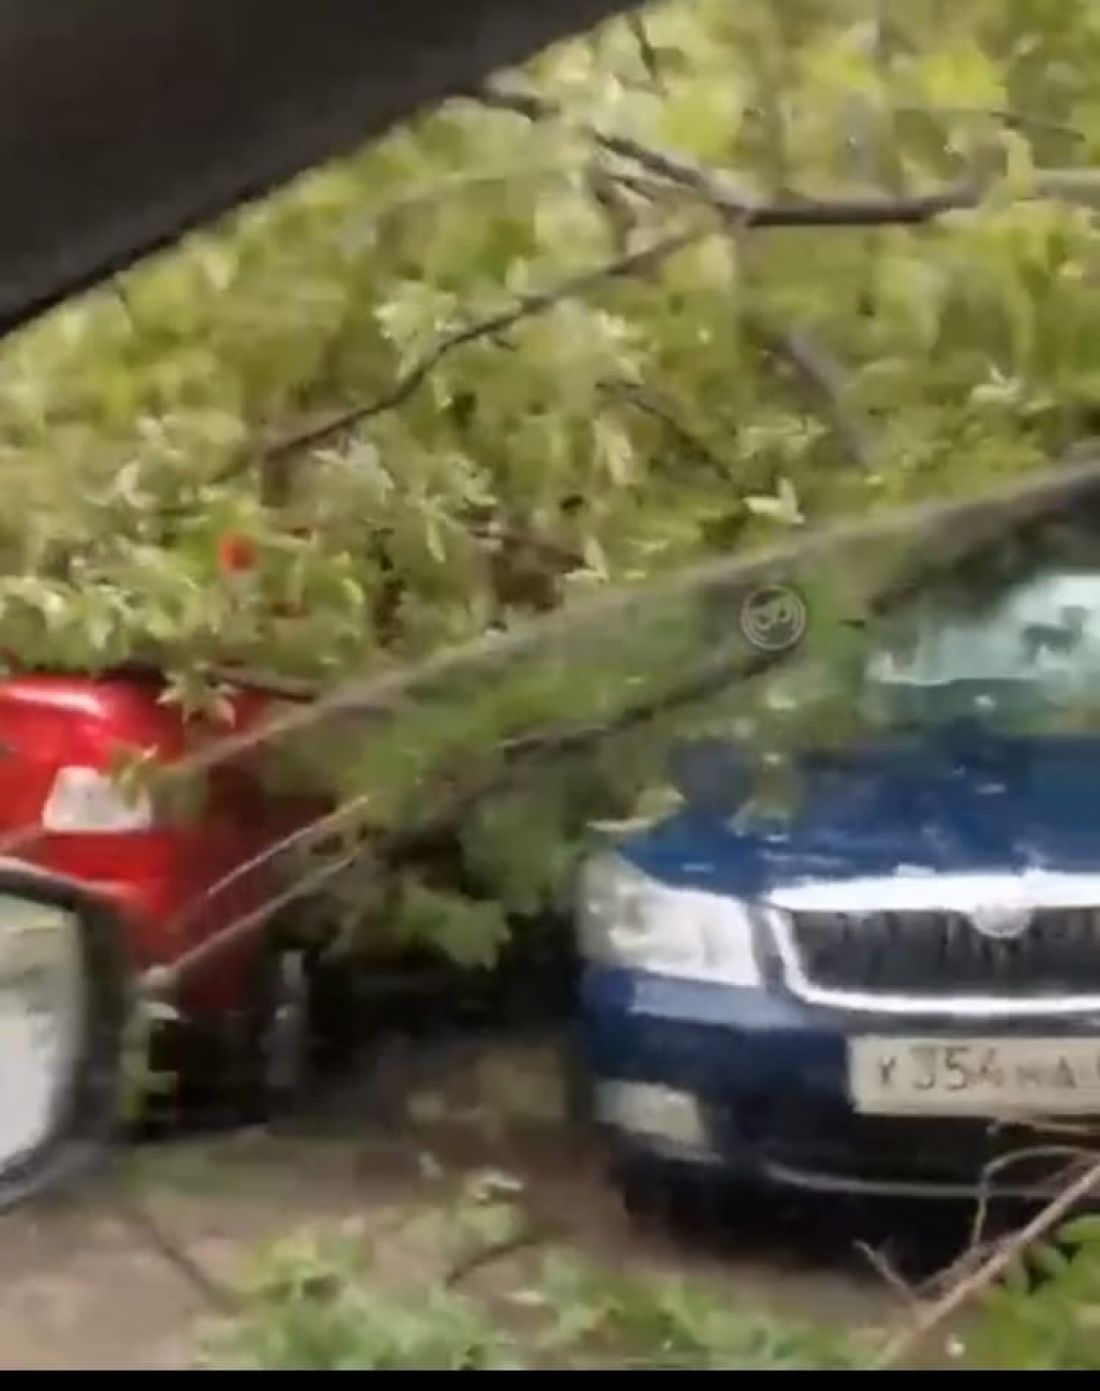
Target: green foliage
466 930
665 1323
327 1301
309 1306
1046 1312
759 381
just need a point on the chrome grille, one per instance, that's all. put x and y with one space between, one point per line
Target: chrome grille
938 952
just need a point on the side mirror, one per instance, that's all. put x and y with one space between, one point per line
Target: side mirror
63 1011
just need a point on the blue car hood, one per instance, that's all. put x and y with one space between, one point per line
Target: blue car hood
930 805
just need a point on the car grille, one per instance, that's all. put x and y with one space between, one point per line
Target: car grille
940 952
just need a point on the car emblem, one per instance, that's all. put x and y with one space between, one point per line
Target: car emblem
1002 922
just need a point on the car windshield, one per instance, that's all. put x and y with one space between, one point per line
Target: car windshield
1033 650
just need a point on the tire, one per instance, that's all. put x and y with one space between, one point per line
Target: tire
275 1066
677 1198
580 1089
645 1190
286 1030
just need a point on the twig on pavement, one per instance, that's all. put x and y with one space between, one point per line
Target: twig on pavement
933 1316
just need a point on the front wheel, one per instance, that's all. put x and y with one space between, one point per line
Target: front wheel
682 1197
285 1030
278 1047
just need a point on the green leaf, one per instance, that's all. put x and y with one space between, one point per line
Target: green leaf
1081 1231
470 933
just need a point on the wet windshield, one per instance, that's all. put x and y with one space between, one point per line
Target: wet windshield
1032 652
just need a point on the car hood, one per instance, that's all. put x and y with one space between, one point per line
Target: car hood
126 122
994 805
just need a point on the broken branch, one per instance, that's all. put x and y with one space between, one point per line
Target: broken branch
826 380
646 402
526 307
1080 186
646 51
990 1271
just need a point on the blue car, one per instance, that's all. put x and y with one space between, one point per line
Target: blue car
894 988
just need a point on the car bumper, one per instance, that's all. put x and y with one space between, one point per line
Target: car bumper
753 1084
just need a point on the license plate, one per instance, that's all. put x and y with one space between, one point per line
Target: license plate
974 1076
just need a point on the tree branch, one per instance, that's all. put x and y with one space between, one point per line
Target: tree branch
646 52
268 683
713 188
826 380
482 1256
738 203
719 192
644 401
392 847
1011 1249
1022 500
494 534
527 307
532 751
122 295
1025 500
159 982
210 1290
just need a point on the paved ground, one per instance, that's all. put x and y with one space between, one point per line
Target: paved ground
84 1283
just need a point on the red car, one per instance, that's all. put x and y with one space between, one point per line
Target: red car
176 880
129 124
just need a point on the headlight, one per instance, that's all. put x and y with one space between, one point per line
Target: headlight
628 919
41 1018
